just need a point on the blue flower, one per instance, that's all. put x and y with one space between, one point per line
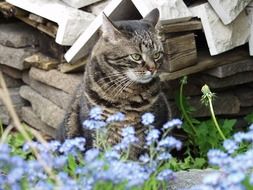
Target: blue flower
112 155
212 179
172 123
117 117
235 177
152 136
71 145
127 131
251 127
95 113
15 175
217 157
165 175
147 119
251 178
91 154
94 124
164 156
230 146
170 142
144 158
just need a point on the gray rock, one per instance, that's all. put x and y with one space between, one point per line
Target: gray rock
14 57
28 116
18 35
214 82
66 82
245 96
17 101
223 104
232 68
15 97
59 97
188 179
11 82
4 115
47 111
26 78
14 73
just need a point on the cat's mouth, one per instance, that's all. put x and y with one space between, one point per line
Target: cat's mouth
141 76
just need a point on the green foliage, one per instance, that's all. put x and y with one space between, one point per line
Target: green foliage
16 140
249 118
202 135
187 163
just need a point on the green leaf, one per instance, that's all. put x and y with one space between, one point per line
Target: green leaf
227 127
249 118
72 165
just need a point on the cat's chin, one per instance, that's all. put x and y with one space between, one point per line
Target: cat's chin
144 81
140 79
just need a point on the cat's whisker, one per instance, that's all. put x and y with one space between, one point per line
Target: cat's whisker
117 84
113 82
110 76
127 84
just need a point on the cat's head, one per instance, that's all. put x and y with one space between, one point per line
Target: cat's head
132 47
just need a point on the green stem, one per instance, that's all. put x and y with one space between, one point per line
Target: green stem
185 115
215 120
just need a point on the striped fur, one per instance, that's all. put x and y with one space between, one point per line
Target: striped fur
117 83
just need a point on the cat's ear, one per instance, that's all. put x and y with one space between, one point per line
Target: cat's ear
109 31
152 17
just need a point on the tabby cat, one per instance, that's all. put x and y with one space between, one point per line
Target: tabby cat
122 76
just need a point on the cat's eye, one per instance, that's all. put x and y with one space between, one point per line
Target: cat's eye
157 55
136 56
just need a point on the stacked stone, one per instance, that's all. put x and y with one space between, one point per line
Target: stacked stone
17 41
231 83
49 94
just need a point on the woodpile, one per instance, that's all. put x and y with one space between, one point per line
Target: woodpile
204 40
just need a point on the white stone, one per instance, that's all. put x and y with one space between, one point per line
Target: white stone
228 10
98 7
79 3
71 22
172 11
250 17
220 37
116 10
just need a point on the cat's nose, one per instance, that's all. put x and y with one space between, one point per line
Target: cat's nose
151 69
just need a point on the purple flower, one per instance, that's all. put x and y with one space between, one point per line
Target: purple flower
147 118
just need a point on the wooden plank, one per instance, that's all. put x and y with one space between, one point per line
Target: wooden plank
180 52
180 27
42 61
205 61
10 10
49 30
78 66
